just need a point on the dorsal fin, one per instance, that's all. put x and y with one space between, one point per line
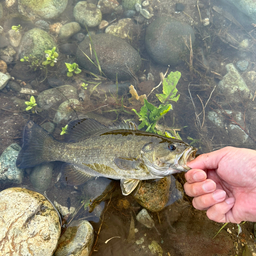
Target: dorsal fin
82 129
79 130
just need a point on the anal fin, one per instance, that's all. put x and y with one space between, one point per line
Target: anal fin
73 175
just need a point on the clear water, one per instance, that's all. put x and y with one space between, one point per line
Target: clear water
179 228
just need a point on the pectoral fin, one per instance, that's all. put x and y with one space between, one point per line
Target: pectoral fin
128 185
73 175
127 164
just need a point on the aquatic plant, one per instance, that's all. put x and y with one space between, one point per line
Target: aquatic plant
64 130
72 69
31 103
34 62
16 28
85 86
169 88
51 57
149 115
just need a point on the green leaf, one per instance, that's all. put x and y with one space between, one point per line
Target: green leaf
169 87
69 74
28 108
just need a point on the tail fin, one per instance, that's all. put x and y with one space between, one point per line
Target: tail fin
35 139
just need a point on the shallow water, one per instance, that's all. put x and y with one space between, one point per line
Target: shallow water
179 228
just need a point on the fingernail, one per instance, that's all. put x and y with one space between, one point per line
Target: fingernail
219 195
199 176
208 186
230 200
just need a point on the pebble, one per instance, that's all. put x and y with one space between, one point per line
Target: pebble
242 65
3 66
103 24
69 29
4 78
14 86
3 41
42 24
145 219
145 13
107 6
79 37
14 37
129 13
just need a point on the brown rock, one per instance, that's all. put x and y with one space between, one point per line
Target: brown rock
3 66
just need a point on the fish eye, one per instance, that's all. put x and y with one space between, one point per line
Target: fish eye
171 147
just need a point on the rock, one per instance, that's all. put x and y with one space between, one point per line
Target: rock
145 219
29 225
242 65
65 112
231 131
164 40
3 42
117 58
153 195
53 81
50 97
248 7
47 9
35 42
79 37
130 4
3 66
103 24
155 248
129 13
4 78
69 30
8 170
41 177
24 72
42 24
124 28
77 239
68 48
48 126
14 86
233 87
15 37
107 6
87 14
63 210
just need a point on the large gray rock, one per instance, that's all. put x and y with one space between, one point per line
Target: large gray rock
50 97
29 225
8 170
35 42
166 40
116 57
47 9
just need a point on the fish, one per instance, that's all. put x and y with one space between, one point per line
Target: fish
92 149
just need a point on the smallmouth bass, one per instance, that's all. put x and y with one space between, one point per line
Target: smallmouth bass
94 150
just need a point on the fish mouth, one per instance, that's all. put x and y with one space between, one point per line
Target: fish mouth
188 155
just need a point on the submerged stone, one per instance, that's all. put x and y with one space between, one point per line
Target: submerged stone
29 225
8 170
77 240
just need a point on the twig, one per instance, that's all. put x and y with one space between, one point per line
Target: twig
198 9
202 111
162 78
197 118
102 220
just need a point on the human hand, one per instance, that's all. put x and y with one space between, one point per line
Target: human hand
223 182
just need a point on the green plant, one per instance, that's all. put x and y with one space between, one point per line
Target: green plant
149 115
85 86
16 28
51 57
64 130
31 103
33 61
169 88
72 68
